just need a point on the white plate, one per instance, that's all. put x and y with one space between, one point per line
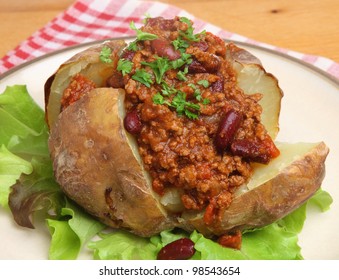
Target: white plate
310 113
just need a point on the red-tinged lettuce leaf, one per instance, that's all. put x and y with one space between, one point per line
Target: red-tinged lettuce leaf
36 192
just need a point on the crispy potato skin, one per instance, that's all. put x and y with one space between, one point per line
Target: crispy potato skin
96 167
272 200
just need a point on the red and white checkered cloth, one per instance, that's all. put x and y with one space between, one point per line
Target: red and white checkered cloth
90 20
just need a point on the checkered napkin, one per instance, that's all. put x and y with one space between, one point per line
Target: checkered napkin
90 20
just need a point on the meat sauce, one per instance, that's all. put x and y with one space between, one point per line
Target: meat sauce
197 131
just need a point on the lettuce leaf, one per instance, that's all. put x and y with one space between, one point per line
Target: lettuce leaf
22 122
36 193
120 245
11 167
69 235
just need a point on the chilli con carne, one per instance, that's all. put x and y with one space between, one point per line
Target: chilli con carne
196 129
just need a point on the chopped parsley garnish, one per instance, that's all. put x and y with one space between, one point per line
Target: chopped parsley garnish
133 46
160 99
142 36
159 67
185 58
105 54
155 68
204 83
182 106
177 99
180 44
125 66
143 77
181 75
188 34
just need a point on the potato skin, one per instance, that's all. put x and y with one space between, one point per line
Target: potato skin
95 166
272 200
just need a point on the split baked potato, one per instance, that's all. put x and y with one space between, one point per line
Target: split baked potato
98 165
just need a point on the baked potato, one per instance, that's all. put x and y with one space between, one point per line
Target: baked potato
116 171
97 165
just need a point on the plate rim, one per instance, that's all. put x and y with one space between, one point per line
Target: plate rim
323 73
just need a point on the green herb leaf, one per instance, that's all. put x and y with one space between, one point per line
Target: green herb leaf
204 83
167 90
133 46
189 33
105 54
184 59
125 66
181 75
180 44
160 99
142 36
159 67
197 92
206 101
143 77
183 107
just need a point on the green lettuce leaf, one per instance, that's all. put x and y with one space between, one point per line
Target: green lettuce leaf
11 167
120 245
21 120
71 232
322 199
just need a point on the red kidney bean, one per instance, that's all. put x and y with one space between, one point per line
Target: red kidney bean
212 64
116 80
128 55
201 45
132 122
251 150
196 67
228 126
163 48
261 151
218 86
181 249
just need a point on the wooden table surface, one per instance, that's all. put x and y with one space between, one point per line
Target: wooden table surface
307 26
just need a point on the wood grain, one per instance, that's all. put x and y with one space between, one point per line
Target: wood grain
307 26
